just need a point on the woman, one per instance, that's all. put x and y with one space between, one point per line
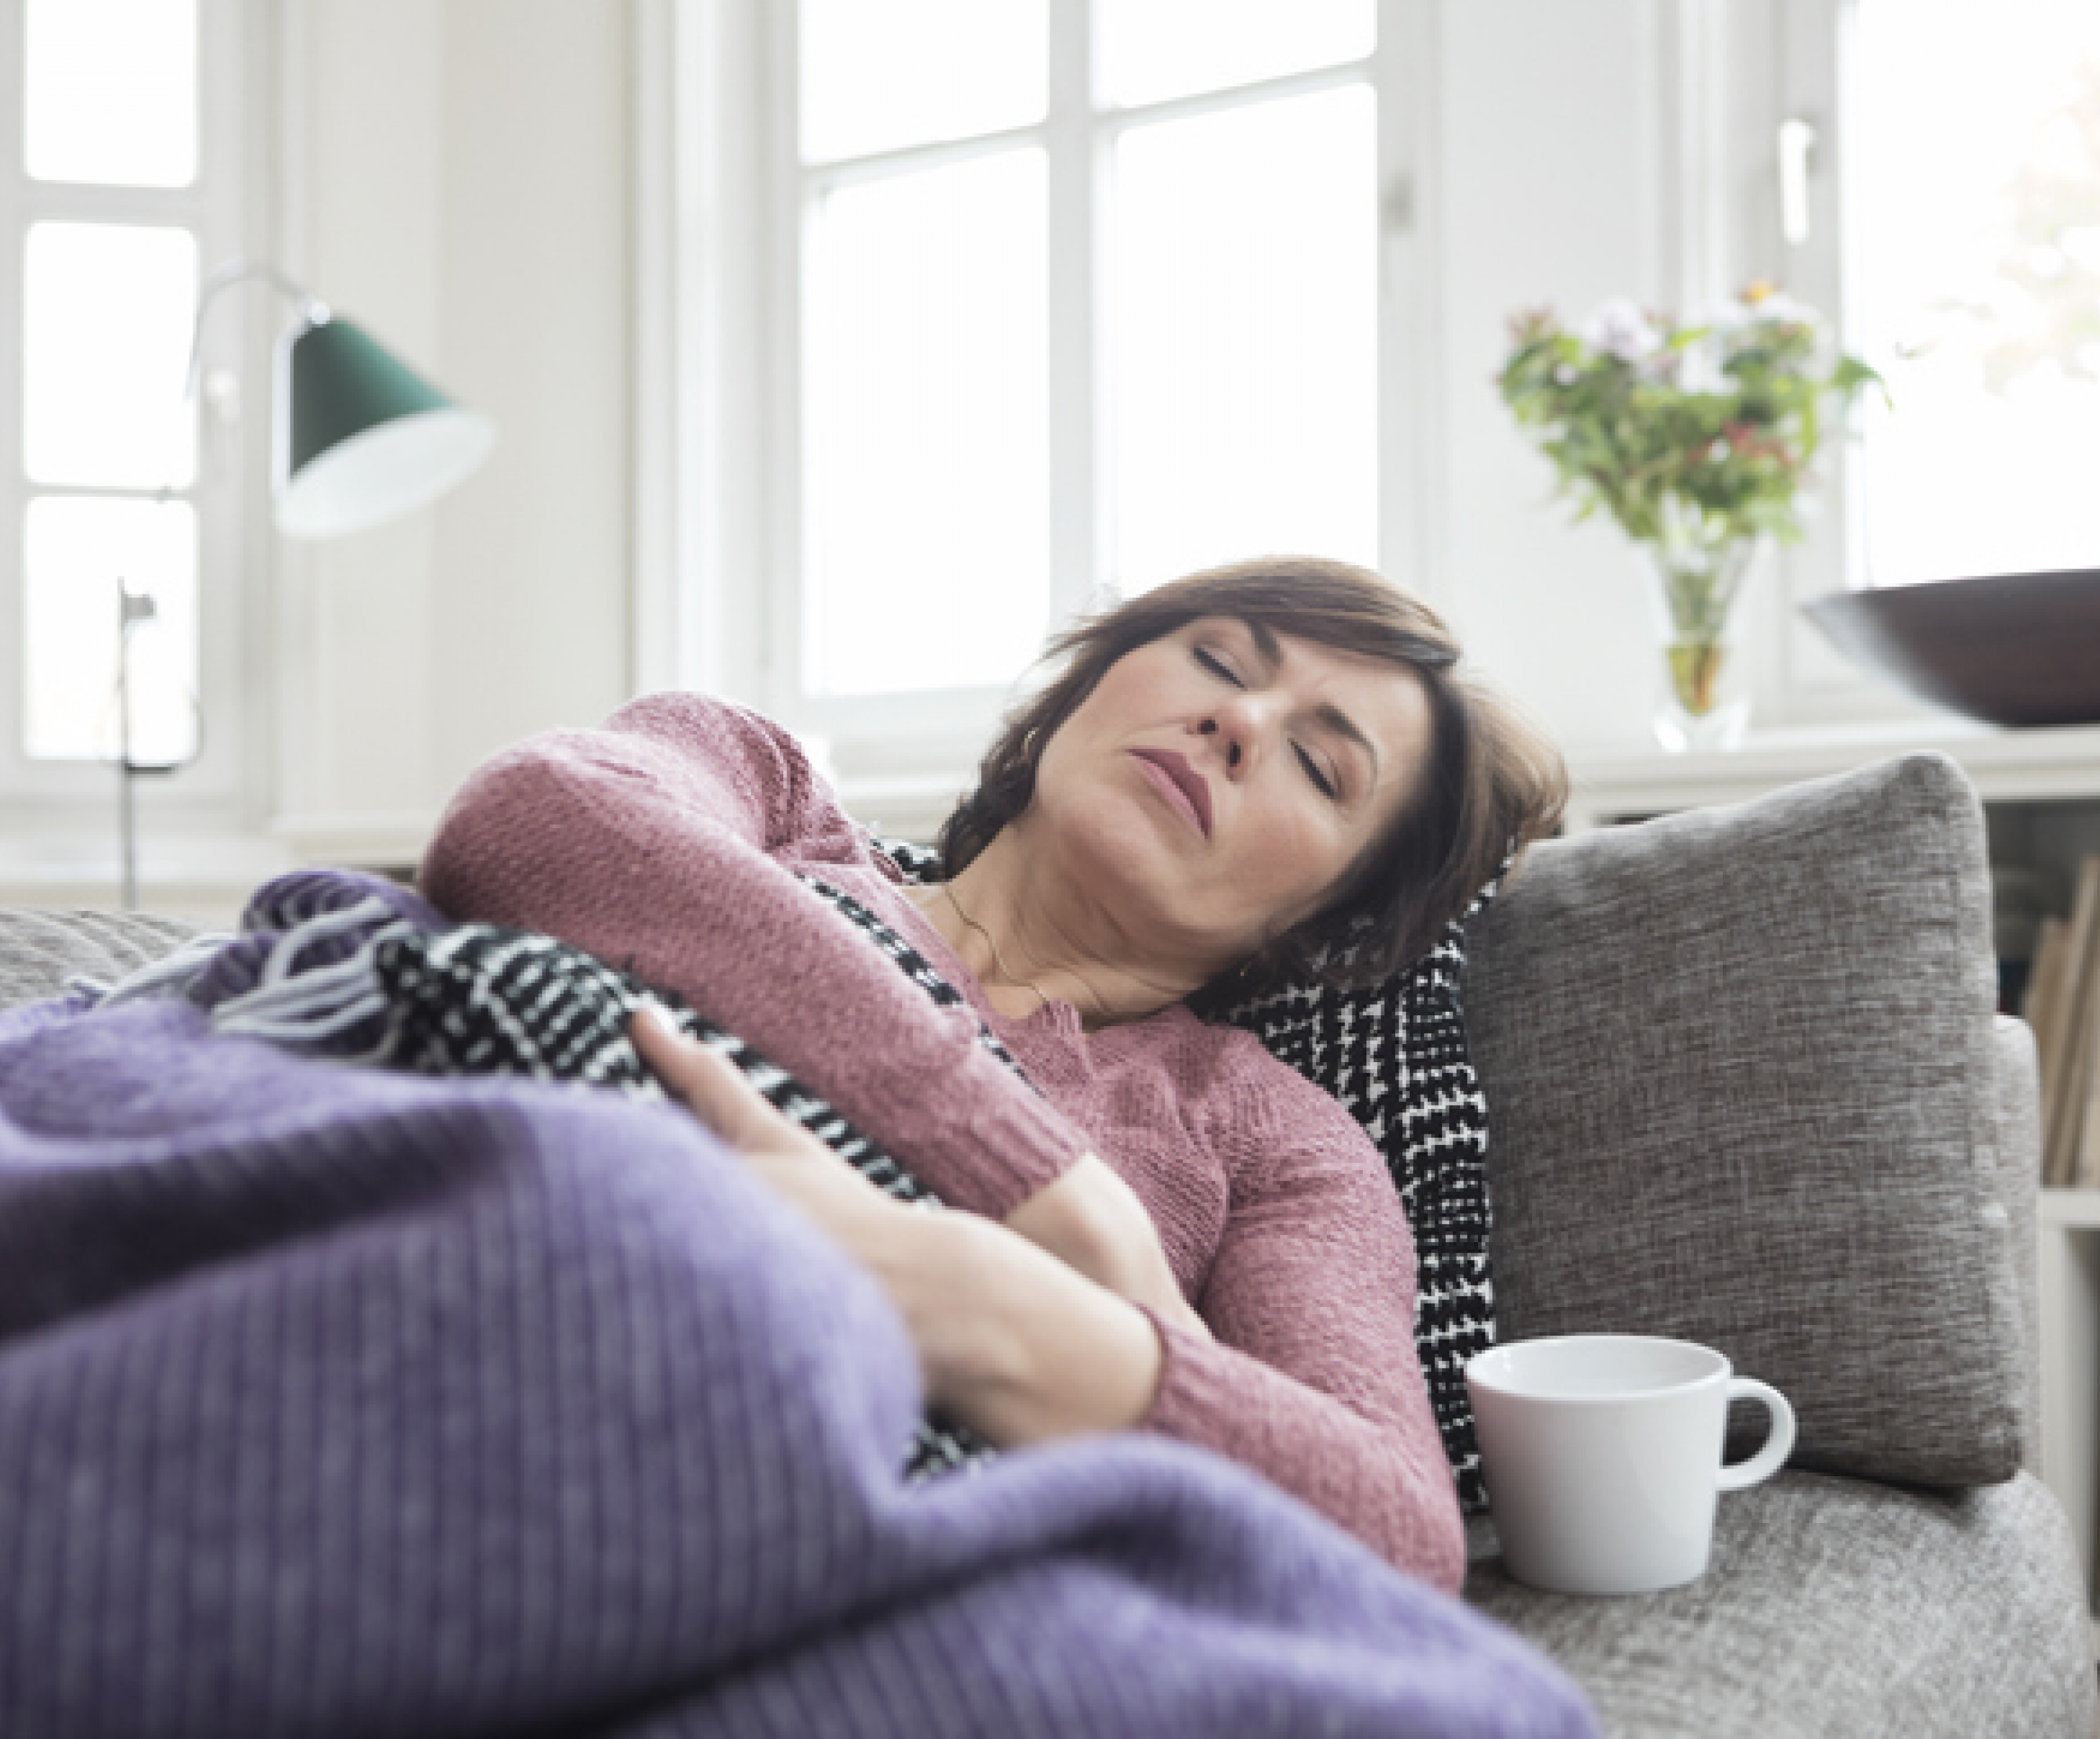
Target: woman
1235 776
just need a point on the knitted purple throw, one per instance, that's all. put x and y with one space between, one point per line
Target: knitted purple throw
339 1402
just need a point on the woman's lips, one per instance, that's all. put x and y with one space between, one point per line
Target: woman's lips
1181 781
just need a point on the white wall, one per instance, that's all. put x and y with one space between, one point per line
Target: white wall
1547 156
457 179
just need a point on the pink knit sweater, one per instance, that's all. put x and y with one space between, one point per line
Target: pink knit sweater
664 842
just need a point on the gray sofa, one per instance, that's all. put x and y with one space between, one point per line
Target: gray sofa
1746 1086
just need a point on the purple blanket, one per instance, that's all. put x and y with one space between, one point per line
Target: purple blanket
334 1400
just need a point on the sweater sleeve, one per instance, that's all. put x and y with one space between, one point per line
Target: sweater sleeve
656 843
1313 1380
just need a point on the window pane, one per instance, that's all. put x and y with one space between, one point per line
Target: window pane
106 338
111 91
77 550
1151 50
880 74
1977 263
927 520
1245 339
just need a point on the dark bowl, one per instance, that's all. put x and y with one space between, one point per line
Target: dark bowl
2023 649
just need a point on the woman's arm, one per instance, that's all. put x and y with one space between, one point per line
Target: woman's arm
1318 1389
653 843
1011 1342
1313 1377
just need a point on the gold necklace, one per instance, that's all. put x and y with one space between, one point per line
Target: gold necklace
1007 972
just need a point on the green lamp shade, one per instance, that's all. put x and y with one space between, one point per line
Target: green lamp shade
361 438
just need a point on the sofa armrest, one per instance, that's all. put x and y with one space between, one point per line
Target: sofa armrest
2016 1176
40 950
1744 1086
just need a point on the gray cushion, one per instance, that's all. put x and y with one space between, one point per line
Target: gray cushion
1835 1607
1742 1083
39 950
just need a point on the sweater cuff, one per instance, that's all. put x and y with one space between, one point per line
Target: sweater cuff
1013 1146
1195 1401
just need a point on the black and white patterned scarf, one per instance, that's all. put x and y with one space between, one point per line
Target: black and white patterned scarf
1395 1054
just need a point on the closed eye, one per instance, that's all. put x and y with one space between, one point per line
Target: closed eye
1217 666
1326 786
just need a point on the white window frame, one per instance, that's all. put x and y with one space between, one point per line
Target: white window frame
722 228
1813 66
717 595
1799 66
56 812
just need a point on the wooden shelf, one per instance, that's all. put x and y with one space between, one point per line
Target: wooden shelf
2077 1208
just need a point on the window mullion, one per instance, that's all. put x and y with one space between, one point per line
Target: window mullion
1812 682
1077 174
783 656
69 202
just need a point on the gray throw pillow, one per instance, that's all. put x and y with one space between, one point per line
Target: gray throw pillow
1741 1081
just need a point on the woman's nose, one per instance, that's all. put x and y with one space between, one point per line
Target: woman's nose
1236 740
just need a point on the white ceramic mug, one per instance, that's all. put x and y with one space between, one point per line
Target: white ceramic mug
1603 1457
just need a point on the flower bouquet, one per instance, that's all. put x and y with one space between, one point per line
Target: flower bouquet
1698 440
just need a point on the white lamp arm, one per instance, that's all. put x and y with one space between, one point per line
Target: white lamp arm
223 277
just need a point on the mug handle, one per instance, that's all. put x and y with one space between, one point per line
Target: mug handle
1778 1446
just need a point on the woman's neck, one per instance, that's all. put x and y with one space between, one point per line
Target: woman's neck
1029 934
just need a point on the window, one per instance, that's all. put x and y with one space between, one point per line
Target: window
1078 296
121 186
1974 264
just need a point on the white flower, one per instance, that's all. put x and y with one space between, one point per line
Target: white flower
1622 329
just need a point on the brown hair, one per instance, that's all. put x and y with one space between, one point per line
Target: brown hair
1493 782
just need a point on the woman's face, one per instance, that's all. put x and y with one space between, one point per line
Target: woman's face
1219 781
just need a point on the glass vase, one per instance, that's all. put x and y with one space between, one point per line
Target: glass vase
1705 689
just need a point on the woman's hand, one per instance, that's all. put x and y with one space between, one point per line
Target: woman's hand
906 1252
1091 1218
1009 1340
790 1159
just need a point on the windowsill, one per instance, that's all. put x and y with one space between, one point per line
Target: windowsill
2055 761
911 807
202 877
190 868
377 839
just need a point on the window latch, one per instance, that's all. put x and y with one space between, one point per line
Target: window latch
1796 141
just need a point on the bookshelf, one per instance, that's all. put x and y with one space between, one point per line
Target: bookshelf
2040 790
2069 1359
